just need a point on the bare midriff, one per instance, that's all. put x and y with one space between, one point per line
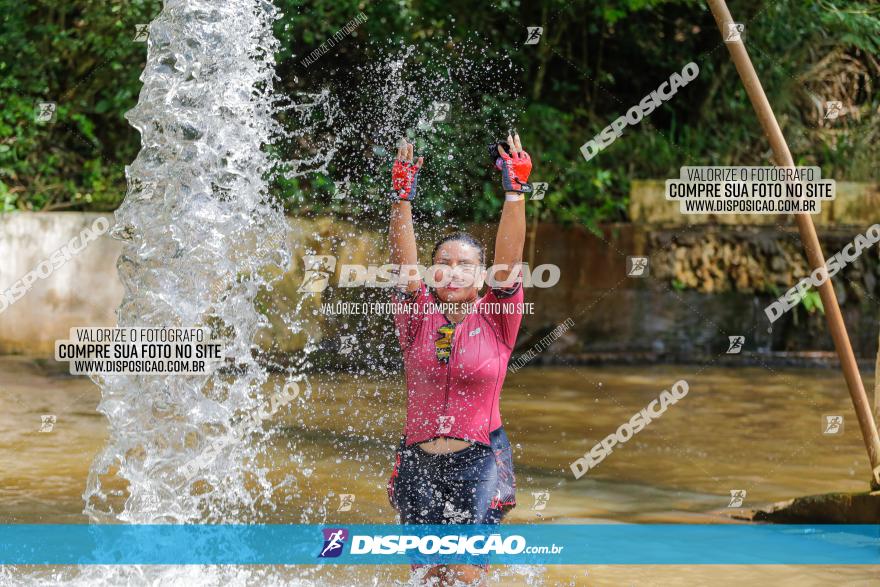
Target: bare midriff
444 445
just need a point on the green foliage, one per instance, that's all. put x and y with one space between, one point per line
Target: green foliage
595 60
812 302
81 56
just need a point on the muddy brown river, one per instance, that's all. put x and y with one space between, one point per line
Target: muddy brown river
753 429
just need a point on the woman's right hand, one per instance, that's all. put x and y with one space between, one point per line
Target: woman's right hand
401 234
405 175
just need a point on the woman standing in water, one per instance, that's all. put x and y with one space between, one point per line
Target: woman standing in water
454 463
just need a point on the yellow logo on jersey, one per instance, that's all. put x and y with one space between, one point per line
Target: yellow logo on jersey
443 344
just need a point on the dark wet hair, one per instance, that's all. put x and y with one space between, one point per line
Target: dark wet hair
463 237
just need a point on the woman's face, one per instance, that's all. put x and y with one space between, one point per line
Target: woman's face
457 265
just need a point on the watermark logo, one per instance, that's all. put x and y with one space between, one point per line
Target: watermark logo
90 350
542 344
346 344
833 109
832 425
637 267
533 34
47 422
346 502
832 267
334 541
473 545
630 428
749 190
341 308
325 47
289 392
141 33
541 500
735 32
47 267
439 111
737 496
646 106
735 344
318 270
539 190
444 424
340 191
45 112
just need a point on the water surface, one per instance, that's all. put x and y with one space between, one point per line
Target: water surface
755 429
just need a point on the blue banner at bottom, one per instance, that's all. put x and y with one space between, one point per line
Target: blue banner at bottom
548 544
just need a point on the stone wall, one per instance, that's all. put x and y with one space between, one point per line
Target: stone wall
706 282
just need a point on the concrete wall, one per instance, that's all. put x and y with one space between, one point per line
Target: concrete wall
84 291
612 313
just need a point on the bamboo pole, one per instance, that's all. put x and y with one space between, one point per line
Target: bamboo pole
783 158
877 385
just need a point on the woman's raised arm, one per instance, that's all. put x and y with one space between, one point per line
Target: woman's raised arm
401 233
515 169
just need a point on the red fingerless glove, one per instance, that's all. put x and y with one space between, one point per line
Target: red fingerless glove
515 169
404 180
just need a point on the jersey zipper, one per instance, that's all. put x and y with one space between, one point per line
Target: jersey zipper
449 366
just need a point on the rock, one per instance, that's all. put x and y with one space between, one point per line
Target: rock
829 508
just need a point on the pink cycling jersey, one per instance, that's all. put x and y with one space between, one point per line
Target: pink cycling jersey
454 391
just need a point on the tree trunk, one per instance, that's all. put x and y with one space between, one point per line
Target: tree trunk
544 56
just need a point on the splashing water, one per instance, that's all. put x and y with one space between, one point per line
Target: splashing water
198 229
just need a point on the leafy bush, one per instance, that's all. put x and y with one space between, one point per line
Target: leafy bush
595 60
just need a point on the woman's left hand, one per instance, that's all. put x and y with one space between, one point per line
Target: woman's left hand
515 167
